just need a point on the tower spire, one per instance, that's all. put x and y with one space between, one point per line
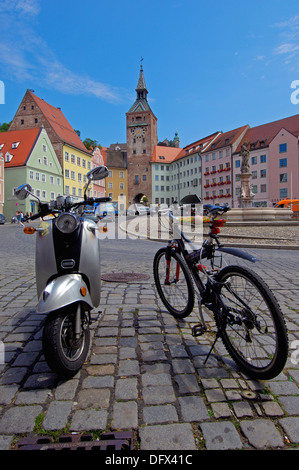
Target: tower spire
141 86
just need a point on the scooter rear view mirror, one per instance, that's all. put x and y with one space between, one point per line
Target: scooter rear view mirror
23 191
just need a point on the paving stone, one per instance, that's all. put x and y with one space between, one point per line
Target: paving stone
187 383
125 415
126 389
291 426
5 442
89 420
159 414
221 436
290 405
242 409
7 393
167 437
261 433
221 410
158 395
57 415
271 408
214 395
193 409
19 419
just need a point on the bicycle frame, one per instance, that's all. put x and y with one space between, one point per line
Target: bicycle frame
207 293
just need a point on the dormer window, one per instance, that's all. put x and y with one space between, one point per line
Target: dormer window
15 145
8 157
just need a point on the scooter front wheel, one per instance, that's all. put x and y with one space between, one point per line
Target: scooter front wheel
64 353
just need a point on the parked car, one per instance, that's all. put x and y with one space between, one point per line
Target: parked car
2 219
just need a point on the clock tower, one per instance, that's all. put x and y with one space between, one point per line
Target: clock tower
141 140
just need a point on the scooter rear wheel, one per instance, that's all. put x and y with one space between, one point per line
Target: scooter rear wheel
65 354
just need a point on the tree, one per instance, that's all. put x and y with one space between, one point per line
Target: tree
91 144
4 126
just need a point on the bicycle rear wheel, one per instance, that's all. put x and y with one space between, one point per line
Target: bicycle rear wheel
252 326
174 283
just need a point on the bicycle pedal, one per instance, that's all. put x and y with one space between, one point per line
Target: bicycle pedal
198 330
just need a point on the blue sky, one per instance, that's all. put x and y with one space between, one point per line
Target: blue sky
208 66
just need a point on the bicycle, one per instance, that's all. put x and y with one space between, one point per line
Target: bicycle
247 315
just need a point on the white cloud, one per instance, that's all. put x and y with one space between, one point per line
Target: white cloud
286 48
26 57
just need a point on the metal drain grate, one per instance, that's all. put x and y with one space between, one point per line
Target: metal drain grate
108 441
124 277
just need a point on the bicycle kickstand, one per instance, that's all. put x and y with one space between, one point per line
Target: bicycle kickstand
212 347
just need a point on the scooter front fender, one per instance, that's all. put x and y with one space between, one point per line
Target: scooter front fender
63 291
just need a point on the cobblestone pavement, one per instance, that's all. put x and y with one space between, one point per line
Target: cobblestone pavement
145 371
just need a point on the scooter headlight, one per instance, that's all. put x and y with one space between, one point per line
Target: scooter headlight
67 223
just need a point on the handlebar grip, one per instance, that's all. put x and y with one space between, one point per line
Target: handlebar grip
35 216
102 199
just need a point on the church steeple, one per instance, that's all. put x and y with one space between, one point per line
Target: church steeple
141 86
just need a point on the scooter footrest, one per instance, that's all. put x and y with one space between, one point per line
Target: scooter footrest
198 330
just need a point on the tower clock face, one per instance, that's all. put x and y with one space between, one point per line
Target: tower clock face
138 131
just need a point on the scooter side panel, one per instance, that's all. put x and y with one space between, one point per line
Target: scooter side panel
90 262
45 262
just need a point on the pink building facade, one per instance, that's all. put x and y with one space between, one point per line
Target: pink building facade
283 167
274 162
98 187
1 182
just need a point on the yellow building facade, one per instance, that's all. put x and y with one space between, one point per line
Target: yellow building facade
76 165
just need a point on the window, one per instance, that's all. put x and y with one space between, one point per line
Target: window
263 188
31 175
144 177
43 178
283 178
66 156
37 176
254 175
263 158
78 161
121 174
52 181
238 163
283 148
283 193
110 185
44 148
67 173
263 173
73 175
45 160
253 160
283 162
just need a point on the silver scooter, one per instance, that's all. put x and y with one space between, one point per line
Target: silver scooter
67 275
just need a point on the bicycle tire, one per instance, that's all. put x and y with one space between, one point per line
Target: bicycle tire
259 344
178 296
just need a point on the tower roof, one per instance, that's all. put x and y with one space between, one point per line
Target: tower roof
141 103
141 86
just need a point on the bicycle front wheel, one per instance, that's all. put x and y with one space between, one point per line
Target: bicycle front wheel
251 323
174 283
